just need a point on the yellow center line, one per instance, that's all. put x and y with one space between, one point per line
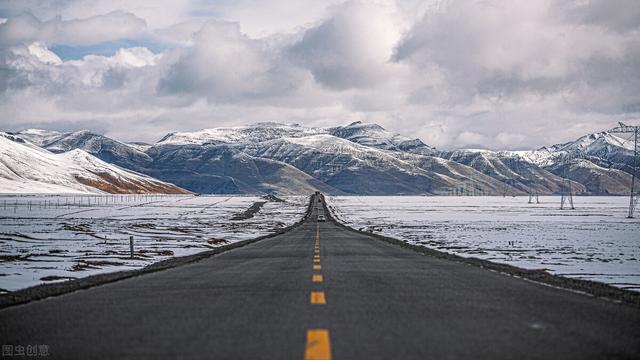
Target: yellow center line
318 345
317 297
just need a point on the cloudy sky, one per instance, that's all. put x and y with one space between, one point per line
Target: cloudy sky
499 74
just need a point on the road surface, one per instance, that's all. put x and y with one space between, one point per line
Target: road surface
354 298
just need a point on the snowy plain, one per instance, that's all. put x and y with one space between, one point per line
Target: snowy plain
45 238
595 241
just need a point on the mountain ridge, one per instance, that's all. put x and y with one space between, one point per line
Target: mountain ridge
358 158
27 168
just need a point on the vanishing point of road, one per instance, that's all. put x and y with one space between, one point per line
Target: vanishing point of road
321 291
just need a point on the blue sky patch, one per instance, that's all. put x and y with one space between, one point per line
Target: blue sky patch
108 48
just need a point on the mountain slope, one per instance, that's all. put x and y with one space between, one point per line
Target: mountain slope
601 162
220 168
601 145
358 158
102 147
374 135
338 164
364 158
26 168
240 134
509 169
359 169
38 136
595 179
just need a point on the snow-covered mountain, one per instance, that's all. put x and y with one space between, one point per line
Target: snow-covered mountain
38 136
27 168
349 166
107 149
374 135
240 134
602 162
358 158
224 169
602 145
508 168
595 179
342 159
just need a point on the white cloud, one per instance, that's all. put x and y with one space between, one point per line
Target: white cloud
524 63
40 51
96 29
258 17
495 73
156 15
222 64
350 49
503 47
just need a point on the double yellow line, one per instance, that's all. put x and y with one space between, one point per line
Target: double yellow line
318 346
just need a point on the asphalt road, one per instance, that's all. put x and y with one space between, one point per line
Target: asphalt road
373 300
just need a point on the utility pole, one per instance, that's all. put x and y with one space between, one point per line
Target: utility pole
566 194
533 192
633 193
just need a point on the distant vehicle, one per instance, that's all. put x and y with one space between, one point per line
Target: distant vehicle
321 218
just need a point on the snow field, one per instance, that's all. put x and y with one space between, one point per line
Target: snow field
55 239
595 242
